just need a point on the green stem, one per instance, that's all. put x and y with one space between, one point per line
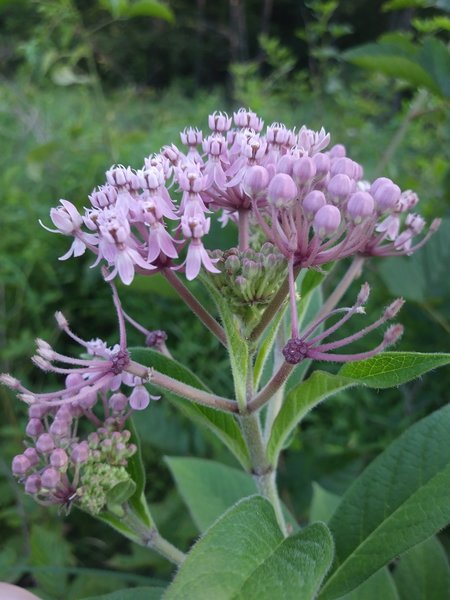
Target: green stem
149 537
264 474
267 487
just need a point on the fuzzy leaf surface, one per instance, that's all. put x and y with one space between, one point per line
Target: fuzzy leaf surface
400 500
244 555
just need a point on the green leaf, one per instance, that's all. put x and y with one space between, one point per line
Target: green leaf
395 57
380 585
387 369
137 593
236 344
400 500
390 369
298 402
208 487
121 492
323 504
244 555
150 8
223 425
423 572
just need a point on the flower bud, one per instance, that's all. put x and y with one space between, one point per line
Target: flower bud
327 221
255 181
80 453
20 464
303 170
118 402
393 308
59 458
74 380
360 206
34 427
50 478
322 163
339 187
363 295
393 334
45 443
312 202
337 151
33 484
282 191
32 456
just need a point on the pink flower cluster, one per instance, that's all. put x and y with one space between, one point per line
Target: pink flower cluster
311 203
51 466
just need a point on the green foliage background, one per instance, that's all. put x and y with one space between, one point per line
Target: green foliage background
87 84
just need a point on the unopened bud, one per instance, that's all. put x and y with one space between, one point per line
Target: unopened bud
33 484
20 464
59 458
295 351
61 320
393 308
282 191
50 478
363 295
327 220
10 381
393 334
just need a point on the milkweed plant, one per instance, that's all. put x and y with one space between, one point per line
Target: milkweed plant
299 206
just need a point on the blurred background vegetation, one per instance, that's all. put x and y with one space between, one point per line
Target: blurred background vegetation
87 83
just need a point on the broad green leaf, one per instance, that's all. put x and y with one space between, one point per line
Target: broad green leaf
137 593
400 500
298 402
323 504
208 487
379 586
423 572
223 425
236 344
395 58
244 555
387 369
390 369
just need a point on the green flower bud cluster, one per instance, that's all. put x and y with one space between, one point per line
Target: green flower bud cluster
97 482
104 478
248 280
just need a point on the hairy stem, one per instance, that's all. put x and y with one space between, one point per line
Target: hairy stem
182 389
197 308
267 487
151 538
